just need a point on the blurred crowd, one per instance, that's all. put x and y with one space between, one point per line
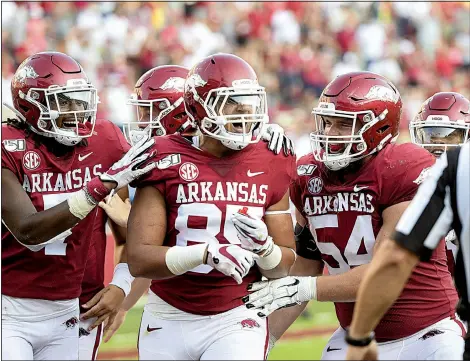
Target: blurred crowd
295 47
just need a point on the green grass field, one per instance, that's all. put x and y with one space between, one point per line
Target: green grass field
304 340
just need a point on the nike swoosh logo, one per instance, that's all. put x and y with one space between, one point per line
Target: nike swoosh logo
249 174
150 329
329 349
83 157
357 189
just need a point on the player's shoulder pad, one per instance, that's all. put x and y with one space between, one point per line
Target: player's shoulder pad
168 143
13 139
307 165
401 168
11 132
105 125
400 158
169 150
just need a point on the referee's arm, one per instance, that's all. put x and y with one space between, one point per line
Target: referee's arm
426 220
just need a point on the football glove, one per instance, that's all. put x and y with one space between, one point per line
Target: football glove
274 135
269 296
127 169
231 260
252 233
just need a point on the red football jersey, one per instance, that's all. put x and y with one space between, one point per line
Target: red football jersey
345 218
56 271
201 193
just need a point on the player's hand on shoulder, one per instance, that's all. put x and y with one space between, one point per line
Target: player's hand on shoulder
231 260
117 209
277 140
104 304
252 233
133 164
269 296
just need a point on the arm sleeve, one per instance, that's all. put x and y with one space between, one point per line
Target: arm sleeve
429 216
305 244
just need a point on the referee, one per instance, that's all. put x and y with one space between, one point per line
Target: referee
442 203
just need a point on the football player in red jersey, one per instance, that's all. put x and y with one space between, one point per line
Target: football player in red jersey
351 191
158 102
192 215
443 122
54 173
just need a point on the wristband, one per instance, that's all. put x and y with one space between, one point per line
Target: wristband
309 292
271 260
295 255
180 260
361 342
122 278
80 204
96 190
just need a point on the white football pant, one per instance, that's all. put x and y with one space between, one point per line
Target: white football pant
54 338
89 341
238 334
441 341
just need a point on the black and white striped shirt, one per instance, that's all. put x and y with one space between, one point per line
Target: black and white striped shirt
441 203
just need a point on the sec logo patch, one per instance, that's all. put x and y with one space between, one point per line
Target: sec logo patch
188 171
315 185
31 160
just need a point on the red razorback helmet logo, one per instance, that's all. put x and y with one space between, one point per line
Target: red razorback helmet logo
158 100
224 100
51 92
370 103
443 121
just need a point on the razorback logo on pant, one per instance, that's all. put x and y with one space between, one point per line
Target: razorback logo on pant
249 323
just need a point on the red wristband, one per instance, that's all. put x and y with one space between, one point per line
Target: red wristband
96 189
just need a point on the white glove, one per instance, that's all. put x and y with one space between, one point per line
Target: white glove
252 233
274 134
269 296
126 170
230 260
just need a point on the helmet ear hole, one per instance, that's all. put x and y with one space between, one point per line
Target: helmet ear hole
23 108
383 129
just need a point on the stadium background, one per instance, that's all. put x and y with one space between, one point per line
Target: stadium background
296 49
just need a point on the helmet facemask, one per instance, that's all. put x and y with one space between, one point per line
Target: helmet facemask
438 135
67 113
235 115
338 151
149 115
